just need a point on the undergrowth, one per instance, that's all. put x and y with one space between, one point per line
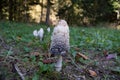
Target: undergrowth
19 37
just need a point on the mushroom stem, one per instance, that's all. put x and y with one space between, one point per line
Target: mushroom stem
58 65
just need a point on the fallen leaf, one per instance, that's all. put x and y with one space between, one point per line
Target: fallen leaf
48 61
35 53
105 52
111 56
19 38
82 55
46 55
92 73
67 61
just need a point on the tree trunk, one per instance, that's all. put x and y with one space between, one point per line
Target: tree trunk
1 12
41 16
11 10
25 8
48 12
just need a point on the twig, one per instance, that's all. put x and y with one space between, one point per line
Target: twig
1 41
83 77
73 62
8 53
73 46
18 71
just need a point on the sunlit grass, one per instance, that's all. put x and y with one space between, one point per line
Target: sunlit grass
95 38
99 38
87 38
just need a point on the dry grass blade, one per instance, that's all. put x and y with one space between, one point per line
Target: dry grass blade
82 55
19 72
8 53
1 41
73 62
35 54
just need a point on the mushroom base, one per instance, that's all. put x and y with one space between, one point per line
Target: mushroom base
58 64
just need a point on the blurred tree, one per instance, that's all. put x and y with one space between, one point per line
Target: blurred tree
76 12
41 11
88 11
1 9
48 12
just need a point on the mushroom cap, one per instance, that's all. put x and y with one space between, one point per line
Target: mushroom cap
60 39
41 32
35 33
48 29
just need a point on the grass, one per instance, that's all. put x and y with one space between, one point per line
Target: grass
19 42
95 38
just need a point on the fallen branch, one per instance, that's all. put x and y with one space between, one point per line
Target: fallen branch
19 72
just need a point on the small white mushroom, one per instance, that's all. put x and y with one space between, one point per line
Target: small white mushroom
60 42
41 34
48 29
35 33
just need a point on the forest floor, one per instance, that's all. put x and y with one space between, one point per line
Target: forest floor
94 54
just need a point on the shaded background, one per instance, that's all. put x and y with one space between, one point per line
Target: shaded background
76 12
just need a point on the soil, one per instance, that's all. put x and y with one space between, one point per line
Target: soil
103 69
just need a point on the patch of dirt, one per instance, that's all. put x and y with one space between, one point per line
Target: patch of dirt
97 62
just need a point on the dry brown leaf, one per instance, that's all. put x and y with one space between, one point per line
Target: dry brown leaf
67 61
18 38
105 52
48 61
46 55
35 53
82 55
92 73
